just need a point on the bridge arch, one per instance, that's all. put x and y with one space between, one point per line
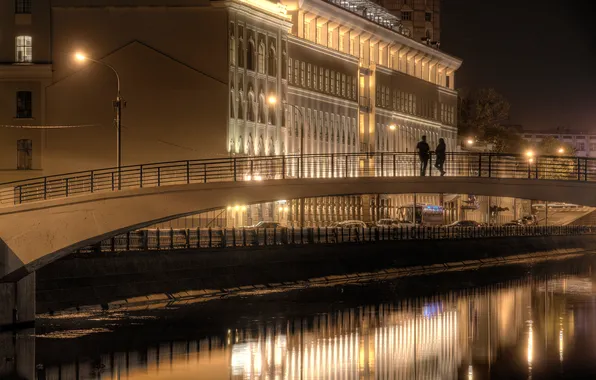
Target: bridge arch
36 234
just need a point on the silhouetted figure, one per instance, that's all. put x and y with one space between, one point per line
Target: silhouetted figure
441 153
424 155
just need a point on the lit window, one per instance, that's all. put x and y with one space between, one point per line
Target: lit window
296 71
24 154
302 70
406 16
343 84
318 35
23 6
308 75
306 30
337 83
290 69
332 81
326 80
24 110
272 66
321 81
24 50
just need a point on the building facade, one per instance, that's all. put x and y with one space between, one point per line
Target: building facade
584 143
216 78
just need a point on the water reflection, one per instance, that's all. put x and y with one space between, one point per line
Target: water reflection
520 329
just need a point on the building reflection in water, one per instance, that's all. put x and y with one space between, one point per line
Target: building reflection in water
445 337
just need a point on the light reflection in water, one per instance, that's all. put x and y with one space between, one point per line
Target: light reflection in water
446 337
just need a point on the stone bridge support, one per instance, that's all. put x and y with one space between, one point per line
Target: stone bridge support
17 291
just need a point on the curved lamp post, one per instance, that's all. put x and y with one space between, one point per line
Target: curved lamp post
117 105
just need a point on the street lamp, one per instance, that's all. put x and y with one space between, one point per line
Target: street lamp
118 105
529 154
470 142
561 150
392 127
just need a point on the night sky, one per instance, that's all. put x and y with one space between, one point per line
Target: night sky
541 55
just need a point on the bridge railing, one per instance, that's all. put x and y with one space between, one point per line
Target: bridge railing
263 168
209 238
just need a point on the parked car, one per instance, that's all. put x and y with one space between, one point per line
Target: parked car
515 223
464 223
387 222
263 224
349 224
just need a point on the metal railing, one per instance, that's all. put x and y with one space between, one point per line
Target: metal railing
209 238
264 168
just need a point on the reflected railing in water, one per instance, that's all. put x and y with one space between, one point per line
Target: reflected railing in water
447 337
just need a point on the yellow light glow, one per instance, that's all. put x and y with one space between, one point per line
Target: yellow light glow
285 209
243 208
237 208
80 57
258 178
561 150
392 127
272 99
275 8
530 153
281 209
470 142
530 160
229 208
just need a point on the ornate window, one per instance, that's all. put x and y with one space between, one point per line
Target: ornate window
284 64
232 46
262 108
250 56
250 108
240 52
261 63
272 67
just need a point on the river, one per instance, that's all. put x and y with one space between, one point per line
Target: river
525 321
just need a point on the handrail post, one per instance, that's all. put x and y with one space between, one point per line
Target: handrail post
141 176
112 181
394 166
283 167
187 171
205 173
382 164
158 176
251 168
66 187
430 164
332 165
347 171
490 165
579 164
45 186
479 164
585 169
234 169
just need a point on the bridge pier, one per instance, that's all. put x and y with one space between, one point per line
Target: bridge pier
17 291
17 302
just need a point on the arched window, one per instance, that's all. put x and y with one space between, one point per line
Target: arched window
250 107
250 145
240 52
261 63
241 145
261 148
271 147
240 113
232 103
250 55
262 108
284 111
272 68
284 64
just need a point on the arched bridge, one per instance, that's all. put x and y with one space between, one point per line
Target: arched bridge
46 218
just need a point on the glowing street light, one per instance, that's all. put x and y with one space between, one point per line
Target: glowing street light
81 57
392 127
272 99
470 142
529 154
561 150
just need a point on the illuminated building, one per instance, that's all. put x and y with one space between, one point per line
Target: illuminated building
197 76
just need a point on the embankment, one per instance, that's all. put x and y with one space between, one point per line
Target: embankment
103 278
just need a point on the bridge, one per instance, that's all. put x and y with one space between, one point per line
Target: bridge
44 219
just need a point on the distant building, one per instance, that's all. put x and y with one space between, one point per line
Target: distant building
420 18
584 143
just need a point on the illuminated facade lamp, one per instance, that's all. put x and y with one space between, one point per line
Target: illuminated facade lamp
470 142
529 154
392 127
561 150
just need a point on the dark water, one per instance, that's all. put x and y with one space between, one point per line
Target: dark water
531 321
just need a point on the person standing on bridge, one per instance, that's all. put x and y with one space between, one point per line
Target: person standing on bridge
441 156
424 155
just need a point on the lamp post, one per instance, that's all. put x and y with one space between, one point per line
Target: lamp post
118 106
273 101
